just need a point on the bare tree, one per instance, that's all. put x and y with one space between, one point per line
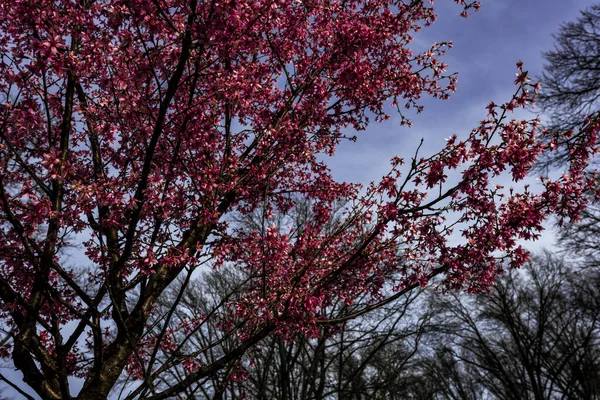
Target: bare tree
535 336
580 239
571 77
444 376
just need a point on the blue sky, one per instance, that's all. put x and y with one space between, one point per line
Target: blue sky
486 47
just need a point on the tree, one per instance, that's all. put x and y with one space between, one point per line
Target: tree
135 134
571 77
535 336
580 239
366 356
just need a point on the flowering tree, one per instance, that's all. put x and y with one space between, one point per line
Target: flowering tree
369 356
133 134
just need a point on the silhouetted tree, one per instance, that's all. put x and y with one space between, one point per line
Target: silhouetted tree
536 335
571 78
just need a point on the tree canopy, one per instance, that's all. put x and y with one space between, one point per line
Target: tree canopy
135 135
